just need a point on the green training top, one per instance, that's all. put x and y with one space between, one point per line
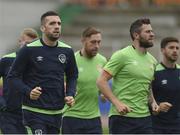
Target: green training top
132 73
86 100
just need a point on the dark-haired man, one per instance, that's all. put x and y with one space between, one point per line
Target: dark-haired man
166 89
132 70
38 72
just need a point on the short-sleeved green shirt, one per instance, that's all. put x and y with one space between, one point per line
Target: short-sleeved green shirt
132 73
86 100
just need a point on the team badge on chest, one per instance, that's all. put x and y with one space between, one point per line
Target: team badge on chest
163 82
62 58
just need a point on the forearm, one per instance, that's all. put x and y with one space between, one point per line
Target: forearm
71 87
71 76
151 98
106 90
152 103
17 83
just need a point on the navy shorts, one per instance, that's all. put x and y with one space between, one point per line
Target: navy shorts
128 125
166 131
42 123
12 123
39 128
72 125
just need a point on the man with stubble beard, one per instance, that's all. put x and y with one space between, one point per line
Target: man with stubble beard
38 72
166 89
132 70
84 116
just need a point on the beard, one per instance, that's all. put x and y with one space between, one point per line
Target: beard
144 43
53 37
91 53
171 58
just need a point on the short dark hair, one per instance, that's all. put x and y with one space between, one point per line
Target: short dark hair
135 26
48 13
166 40
90 31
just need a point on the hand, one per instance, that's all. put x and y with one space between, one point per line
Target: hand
35 93
165 106
122 108
69 100
155 108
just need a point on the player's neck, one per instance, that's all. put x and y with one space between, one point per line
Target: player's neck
168 63
84 54
49 42
138 48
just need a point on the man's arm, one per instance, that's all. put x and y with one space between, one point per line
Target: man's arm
152 102
102 83
14 78
71 79
162 107
2 100
2 104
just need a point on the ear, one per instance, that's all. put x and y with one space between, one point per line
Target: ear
42 28
136 35
19 41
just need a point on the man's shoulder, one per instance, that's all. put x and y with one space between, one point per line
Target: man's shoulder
10 55
62 44
177 66
8 58
124 50
122 53
152 58
159 67
35 43
100 56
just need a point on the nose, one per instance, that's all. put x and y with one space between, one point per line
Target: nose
57 26
152 34
97 44
175 50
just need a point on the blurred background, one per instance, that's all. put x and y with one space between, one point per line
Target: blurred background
112 17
